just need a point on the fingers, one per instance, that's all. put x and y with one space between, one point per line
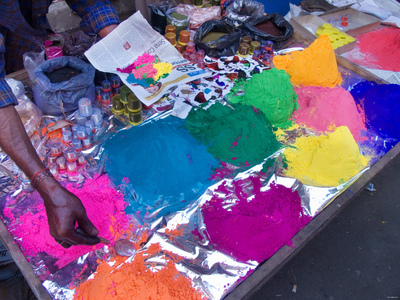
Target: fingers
87 226
63 244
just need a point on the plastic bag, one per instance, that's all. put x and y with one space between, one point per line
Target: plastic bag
31 60
60 98
29 113
226 45
158 15
198 15
279 30
241 11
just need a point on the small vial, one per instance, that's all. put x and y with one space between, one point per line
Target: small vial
115 82
256 54
61 163
116 91
70 154
200 54
186 55
52 159
55 149
201 64
80 119
106 86
97 117
134 103
190 47
76 144
192 58
88 132
266 60
67 136
65 129
74 127
81 133
71 166
81 161
268 45
85 107
245 40
53 169
89 124
87 143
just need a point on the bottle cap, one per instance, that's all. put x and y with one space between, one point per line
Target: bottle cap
190 47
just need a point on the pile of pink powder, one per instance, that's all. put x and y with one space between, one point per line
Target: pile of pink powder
253 230
105 208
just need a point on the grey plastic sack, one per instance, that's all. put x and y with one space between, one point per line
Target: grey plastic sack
61 98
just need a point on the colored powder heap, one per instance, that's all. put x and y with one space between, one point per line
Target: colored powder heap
324 109
135 280
272 93
253 230
239 136
166 166
315 65
381 104
325 160
104 206
379 49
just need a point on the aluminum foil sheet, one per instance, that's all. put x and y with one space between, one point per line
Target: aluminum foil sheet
213 272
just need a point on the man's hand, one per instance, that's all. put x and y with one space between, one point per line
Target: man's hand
64 210
106 30
65 213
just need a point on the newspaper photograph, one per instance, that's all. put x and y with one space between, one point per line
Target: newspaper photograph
144 60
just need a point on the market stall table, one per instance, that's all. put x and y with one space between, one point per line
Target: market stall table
268 268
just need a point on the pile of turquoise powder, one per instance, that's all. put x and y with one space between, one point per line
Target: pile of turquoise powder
256 229
240 135
166 167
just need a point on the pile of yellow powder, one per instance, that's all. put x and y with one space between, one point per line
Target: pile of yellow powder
315 65
325 160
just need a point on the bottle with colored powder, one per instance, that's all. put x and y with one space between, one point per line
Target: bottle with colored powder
70 154
76 144
125 92
81 160
117 105
61 164
55 149
257 54
135 118
170 28
106 86
243 50
171 37
79 119
184 37
255 45
245 40
97 117
134 104
67 136
180 48
85 107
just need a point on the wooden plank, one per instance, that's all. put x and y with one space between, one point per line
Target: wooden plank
26 270
269 268
21 75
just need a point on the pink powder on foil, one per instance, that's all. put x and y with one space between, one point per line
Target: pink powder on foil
256 229
323 109
378 49
105 208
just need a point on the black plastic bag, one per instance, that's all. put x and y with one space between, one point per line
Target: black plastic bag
241 11
226 45
158 17
283 27
62 97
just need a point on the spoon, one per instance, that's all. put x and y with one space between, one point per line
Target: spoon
124 247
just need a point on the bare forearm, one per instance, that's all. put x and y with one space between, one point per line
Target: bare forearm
16 143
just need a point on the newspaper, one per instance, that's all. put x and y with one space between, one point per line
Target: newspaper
131 39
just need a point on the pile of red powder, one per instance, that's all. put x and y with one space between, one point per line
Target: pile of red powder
104 206
379 49
255 229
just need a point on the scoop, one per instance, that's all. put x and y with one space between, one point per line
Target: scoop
124 247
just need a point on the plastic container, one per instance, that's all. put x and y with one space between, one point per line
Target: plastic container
170 28
184 37
190 47
89 124
55 149
244 50
134 103
67 136
171 37
61 163
135 118
245 40
97 117
70 154
106 86
87 143
76 144
81 133
79 119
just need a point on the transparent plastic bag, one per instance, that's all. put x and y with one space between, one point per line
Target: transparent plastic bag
29 113
199 15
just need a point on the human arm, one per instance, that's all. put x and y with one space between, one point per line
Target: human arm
98 17
64 210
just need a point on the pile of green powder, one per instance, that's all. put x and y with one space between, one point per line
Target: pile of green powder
241 136
272 93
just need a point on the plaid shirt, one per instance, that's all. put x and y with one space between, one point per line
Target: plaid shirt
24 27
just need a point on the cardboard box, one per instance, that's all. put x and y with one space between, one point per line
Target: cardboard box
302 25
358 22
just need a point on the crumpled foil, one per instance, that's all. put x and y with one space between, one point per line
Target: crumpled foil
213 272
